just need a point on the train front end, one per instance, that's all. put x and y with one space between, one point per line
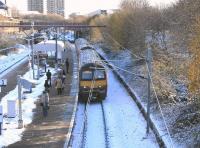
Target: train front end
93 83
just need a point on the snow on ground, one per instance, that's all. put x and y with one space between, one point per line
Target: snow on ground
139 87
10 132
49 47
126 126
78 127
7 61
10 60
95 127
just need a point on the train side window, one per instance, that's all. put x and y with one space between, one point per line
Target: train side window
99 74
86 75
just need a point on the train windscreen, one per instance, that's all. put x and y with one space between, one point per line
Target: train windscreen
86 75
99 74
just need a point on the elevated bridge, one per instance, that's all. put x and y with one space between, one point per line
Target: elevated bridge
44 25
78 28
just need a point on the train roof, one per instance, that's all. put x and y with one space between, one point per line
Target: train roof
89 56
94 66
82 44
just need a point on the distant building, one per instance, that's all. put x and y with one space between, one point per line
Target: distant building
97 13
56 7
48 6
102 12
17 7
37 5
3 9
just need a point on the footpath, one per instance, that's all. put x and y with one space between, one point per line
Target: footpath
51 131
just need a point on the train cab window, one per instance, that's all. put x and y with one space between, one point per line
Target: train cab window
99 74
86 75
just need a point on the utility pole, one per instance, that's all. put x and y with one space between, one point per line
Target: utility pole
149 59
56 53
32 40
20 121
32 63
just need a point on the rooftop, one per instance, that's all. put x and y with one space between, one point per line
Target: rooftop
3 6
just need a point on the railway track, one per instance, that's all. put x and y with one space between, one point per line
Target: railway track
116 122
91 124
19 61
153 127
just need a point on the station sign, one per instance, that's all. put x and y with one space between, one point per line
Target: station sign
3 82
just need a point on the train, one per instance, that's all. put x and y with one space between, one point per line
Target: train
92 73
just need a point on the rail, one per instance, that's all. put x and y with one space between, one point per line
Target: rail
1 72
138 103
85 127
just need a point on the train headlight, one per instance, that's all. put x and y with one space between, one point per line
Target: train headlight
84 87
100 86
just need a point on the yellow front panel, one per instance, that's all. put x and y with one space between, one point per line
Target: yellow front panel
96 83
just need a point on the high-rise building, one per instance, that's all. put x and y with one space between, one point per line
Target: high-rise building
37 5
56 7
48 6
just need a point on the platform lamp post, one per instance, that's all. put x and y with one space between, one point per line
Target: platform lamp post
20 121
38 66
56 53
29 47
32 50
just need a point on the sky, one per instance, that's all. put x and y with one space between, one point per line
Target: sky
87 6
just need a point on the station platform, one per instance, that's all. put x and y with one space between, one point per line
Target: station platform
52 131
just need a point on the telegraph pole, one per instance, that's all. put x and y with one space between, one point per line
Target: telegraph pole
149 70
